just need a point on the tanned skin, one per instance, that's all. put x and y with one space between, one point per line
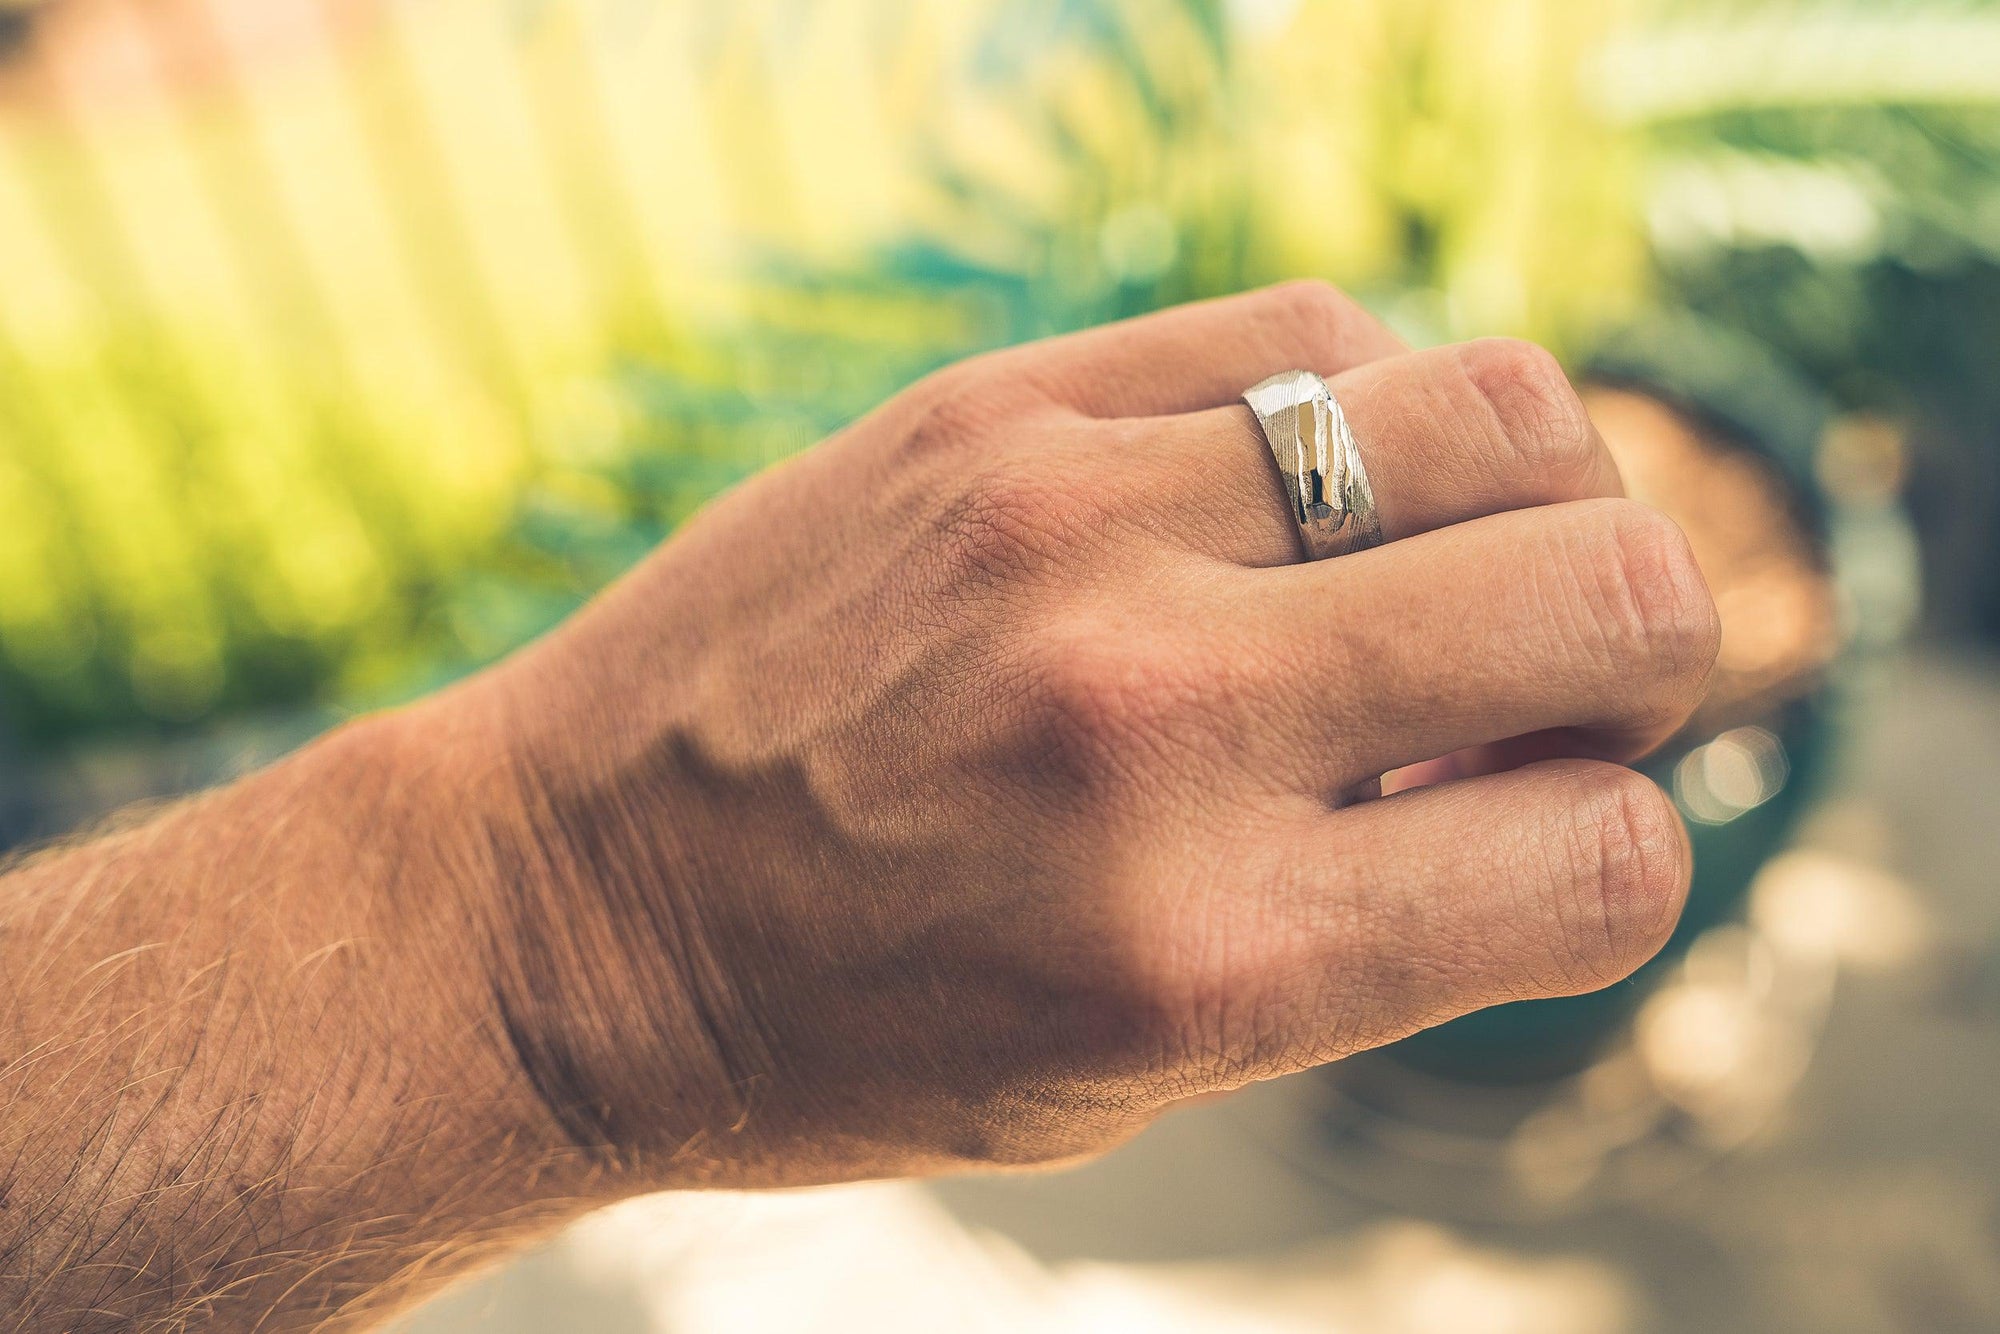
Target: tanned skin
960 794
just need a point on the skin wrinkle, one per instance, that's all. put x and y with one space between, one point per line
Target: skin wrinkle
1537 422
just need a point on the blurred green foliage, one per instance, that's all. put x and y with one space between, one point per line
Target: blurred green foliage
380 481
1112 230
1140 194
1827 182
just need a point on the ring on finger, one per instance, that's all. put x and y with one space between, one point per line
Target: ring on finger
1320 460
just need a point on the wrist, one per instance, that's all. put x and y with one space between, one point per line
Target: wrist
260 1017
435 892
397 811
606 1009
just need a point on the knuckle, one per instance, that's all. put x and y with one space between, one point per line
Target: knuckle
1009 522
1101 704
1213 1029
955 410
1650 602
1312 306
1631 868
1029 1127
1085 707
1535 409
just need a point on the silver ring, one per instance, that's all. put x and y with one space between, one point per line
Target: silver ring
1321 463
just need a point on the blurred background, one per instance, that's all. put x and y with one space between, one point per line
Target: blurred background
346 344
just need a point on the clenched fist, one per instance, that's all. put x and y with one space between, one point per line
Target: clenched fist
979 782
963 792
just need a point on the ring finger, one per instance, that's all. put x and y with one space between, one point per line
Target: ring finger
1447 435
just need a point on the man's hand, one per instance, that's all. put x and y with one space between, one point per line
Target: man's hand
963 792
966 791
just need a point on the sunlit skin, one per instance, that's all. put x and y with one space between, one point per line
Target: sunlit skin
959 794
1773 592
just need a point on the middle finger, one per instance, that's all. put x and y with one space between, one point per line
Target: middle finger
1588 624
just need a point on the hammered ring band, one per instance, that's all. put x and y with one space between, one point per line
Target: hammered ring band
1320 460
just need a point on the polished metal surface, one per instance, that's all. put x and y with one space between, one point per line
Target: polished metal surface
1320 459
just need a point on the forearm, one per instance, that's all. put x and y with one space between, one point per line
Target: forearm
246 1065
